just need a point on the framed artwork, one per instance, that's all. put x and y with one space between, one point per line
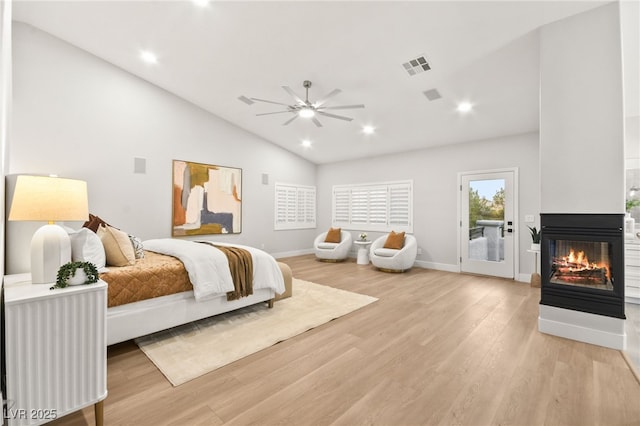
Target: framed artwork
207 199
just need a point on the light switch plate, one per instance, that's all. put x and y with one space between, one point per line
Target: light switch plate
529 218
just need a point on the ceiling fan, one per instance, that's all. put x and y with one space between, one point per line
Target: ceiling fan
305 108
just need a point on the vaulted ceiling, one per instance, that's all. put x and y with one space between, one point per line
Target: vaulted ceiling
485 53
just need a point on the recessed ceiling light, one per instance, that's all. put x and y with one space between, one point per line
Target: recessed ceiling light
368 130
306 143
149 57
201 3
464 107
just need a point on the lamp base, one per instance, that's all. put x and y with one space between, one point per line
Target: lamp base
50 249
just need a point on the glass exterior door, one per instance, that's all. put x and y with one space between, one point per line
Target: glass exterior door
487 230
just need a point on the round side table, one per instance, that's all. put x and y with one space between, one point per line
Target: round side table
363 252
535 277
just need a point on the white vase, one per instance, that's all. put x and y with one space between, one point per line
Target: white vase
535 246
629 225
79 277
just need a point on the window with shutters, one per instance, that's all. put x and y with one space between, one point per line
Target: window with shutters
295 206
381 206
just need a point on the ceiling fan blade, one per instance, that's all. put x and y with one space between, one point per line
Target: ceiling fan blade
344 107
269 102
316 122
339 117
290 120
246 100
270 113
331 94
293 94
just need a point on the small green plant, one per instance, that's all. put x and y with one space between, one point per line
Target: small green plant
629 204
535 234
68 270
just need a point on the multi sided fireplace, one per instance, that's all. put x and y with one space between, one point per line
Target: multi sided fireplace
583 262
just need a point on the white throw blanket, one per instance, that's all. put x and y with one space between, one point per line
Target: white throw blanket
208 267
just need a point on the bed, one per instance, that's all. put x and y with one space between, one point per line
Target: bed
179 281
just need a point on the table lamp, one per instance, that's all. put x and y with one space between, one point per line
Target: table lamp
49 199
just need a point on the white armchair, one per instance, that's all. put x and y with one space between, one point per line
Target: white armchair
392 260
332 252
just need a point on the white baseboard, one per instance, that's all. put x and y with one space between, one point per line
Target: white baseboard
437 266
293 253
584 327
447 267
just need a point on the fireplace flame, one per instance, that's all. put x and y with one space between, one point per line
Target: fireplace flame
581 259
580 262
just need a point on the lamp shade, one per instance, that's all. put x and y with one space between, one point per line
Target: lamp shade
44 198
50 199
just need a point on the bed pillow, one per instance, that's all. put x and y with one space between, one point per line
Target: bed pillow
117 246
87 247
138 248
333 235
94 223
394 241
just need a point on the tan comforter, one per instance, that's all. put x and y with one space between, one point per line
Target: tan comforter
154 276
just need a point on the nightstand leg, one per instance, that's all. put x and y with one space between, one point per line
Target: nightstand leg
99 411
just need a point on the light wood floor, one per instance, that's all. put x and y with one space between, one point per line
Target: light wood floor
436 348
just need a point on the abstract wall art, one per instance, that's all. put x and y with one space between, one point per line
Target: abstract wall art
207 199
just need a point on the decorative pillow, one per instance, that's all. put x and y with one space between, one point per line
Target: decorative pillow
333 235
94 223
87 247
138 248
394 241
117 246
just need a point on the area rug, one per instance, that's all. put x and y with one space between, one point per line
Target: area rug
189 351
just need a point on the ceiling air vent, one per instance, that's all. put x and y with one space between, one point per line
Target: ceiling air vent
416 66
432 94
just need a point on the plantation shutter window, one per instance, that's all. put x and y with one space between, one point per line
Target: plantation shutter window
374 207
400 205
295 206
341 210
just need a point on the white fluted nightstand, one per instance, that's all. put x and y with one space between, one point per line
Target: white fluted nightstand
56 349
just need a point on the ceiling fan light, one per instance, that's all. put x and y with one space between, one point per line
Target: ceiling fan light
306 112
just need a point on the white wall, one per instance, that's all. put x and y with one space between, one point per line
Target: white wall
581 114
582 141
435 174
5 119
5 106
78 116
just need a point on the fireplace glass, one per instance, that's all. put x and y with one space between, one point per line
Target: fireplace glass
581 263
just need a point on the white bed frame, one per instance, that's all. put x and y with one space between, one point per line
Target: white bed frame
137 319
